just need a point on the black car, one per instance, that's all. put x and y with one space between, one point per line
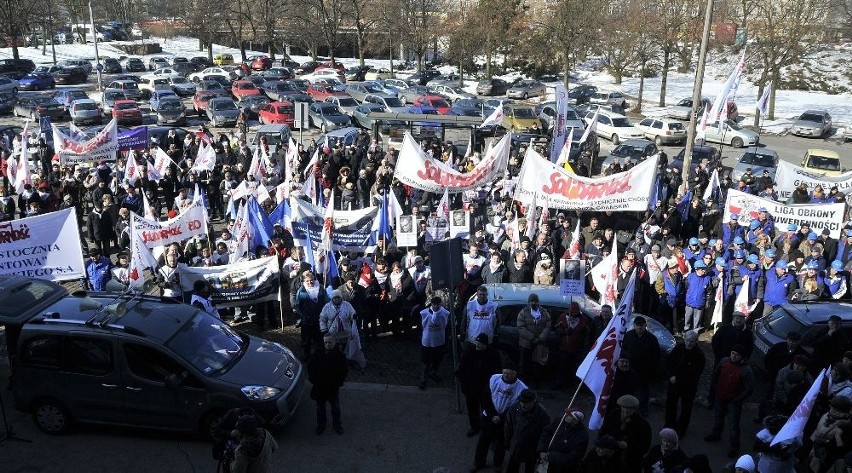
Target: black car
252 104
423 77
71 75
202 61
135 65
307 67
356 73
581 94
287 61
699 153
37 107
186 68
16 66
112 66
7 102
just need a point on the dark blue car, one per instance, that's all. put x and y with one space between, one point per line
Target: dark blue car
37 81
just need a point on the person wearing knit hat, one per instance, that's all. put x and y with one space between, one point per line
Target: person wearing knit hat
745 464
626 423
564 441
685 364
255 446
734 383
337 318
604 457
667 456
311 298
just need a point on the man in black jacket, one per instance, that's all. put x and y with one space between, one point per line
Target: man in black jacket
684 366
564 441
327 372
475 369
525 423
643 349
630 430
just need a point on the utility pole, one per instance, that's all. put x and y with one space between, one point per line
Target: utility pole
696 97
98 66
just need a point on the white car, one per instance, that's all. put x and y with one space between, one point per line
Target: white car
8 85
375 73
614 127
321 74
451 92
212 71
731 134
166 72
662 130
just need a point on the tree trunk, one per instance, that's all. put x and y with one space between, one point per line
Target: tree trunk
566 72
641 86
664 79
200 43
488 64
360 45
210 45
772 96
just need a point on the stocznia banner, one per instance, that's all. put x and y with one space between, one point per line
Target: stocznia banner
421 171
789 176
190 222
818 216
44 247
238 283
353 229
101 146
554 187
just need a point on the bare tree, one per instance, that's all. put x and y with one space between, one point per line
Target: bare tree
495 26
566 31
673 21
14 18
783 31
364 19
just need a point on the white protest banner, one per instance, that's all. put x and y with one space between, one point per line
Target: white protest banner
238 283
789 176
419 170
819 216
572 277
353 229
103 145
460 224
406 231
44 247
192 221
558 189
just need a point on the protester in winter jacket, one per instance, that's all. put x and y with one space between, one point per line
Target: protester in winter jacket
630 430
525 422
501 393
778 458
684 367
669 288
734 384
643 349
574 340
603 457
327 371
310 300
98 270
779 286
255 449
667 457
476 366
533 328
564 441
698 283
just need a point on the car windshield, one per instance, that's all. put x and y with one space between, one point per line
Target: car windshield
86 106
757 159
224 105
44 101
523 113
823 162
393 102
113 96
781 322
180 80
625 151
347 102
129 85
811 117
171 105
330 111
621 122
125 106
285 110
207 343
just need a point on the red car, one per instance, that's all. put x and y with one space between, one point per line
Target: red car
332 65
435 101
126 112
277 113
244 88
199 101
320 91
261 63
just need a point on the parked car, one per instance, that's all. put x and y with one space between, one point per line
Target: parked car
437 102
37 107
361 115
511 298
66 97
616 100
581 94
129 87
630 152
8 85
326 116
85 112
359 91
421 78
526 88
46 69
757 160
731 134
391 103
166 72
157 62
250 105
699 153
171 111
7 102
344 102
276 73
260 63
126 112
847 133
158 95
277 113
70 75
319 92
613 126
410 94
306 68
149 84
16 66
519 118
450 92
375 73
223 59
222 111
108 99
178 367
179 60
182 86
37 81
812 124
468 108
112 66
210 72
200 101
809 319
134 64
81 63
823 161
547 116
492 86
201 61
212 86
662 130
355 73
244 88
320 74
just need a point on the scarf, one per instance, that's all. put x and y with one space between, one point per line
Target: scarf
494 267
536 313
381 277
396 278
313 291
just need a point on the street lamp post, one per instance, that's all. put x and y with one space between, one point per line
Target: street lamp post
696 97
98 66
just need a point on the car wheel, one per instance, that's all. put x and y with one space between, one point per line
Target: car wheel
14 90
737 142
614 139
51 417
526 96
323 129
210 423
658 140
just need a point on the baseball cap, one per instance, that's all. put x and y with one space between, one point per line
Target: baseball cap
753 259
700 265
735 216
836 265
693 241
792 227
720 261
739 241
770 253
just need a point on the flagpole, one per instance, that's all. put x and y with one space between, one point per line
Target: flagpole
576 392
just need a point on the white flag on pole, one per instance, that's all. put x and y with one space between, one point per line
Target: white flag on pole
495 119
713 185
763 101
795 425
592 128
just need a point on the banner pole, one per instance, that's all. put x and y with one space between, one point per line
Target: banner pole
574 397
280 298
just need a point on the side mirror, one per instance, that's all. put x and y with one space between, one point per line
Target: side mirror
173 381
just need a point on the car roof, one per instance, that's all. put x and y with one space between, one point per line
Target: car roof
638 143
823 153
761 150
517 293
819 312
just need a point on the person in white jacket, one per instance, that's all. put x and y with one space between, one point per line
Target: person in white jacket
434 322
336 319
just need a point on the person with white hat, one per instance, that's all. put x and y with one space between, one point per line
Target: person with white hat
564 441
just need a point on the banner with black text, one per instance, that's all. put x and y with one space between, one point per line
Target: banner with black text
237 284
45 247
353 229
819 216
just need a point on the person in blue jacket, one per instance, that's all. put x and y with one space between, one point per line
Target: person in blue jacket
732 229
756 282
98 270
844 249
816 257
779 285
767 223
836 281
693 251
697 285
